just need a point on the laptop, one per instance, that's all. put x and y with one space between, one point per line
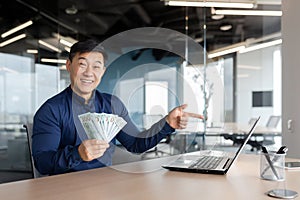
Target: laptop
209 161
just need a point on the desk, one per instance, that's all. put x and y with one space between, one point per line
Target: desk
232 127
241 182
228 127
236 132
232 131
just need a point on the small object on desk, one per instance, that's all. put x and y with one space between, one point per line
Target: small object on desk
283 193
281 150
265 167
292 165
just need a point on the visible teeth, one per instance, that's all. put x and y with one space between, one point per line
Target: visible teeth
86 81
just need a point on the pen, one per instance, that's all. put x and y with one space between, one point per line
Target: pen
264 150
281 150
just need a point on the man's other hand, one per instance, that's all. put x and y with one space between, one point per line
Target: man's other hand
178 119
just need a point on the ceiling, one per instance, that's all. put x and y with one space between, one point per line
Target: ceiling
81 19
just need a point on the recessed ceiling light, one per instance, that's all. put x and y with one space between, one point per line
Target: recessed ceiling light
210 4
6 42
217 17
33 51
22 26
50 60
225 27
49 46
71 10
250 12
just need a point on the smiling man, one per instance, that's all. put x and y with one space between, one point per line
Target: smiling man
59 143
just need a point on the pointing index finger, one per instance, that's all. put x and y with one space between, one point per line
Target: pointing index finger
194 115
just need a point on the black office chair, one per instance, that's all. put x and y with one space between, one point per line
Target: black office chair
28 128
255 141
238 139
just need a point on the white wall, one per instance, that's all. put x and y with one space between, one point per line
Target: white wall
259 78
291 75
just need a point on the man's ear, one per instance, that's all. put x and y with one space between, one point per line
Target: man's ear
68 65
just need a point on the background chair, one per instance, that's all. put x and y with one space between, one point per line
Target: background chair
237 138
273 122
267 138
252 120
28 128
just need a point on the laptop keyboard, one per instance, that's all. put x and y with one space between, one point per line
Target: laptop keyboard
207 162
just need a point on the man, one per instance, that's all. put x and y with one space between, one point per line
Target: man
59 143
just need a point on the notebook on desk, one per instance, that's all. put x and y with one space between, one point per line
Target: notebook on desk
209 161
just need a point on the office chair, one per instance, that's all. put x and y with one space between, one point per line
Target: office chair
255 144
272 123
238 139
28 128
252 120
148 121
267 138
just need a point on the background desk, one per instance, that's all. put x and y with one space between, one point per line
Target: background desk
234 132
241 182
231 127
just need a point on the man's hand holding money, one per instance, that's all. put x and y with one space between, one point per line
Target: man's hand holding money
92 149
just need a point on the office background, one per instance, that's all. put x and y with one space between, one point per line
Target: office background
26 81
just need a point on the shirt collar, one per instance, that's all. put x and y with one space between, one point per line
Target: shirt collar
80 99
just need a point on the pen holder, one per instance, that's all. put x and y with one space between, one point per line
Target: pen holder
272 166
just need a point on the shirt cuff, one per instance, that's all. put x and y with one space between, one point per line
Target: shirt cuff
75 155
167 129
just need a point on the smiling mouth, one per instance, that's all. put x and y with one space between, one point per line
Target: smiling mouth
86 81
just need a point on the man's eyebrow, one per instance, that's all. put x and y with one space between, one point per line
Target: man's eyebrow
82 58
99 61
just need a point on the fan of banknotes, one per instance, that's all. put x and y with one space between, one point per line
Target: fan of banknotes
101 126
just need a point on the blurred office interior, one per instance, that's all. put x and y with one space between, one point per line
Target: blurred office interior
237 78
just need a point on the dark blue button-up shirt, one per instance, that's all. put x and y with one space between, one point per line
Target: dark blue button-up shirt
57 132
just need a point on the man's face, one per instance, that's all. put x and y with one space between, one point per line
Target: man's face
86 71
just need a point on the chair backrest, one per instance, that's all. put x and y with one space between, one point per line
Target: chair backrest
252 121
273 121
28 128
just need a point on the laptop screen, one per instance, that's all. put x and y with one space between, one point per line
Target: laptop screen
245 142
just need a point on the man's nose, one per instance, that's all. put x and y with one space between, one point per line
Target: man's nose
88 70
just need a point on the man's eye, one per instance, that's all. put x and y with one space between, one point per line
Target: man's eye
82 64
97 67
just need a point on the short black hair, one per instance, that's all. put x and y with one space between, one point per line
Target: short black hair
87 46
